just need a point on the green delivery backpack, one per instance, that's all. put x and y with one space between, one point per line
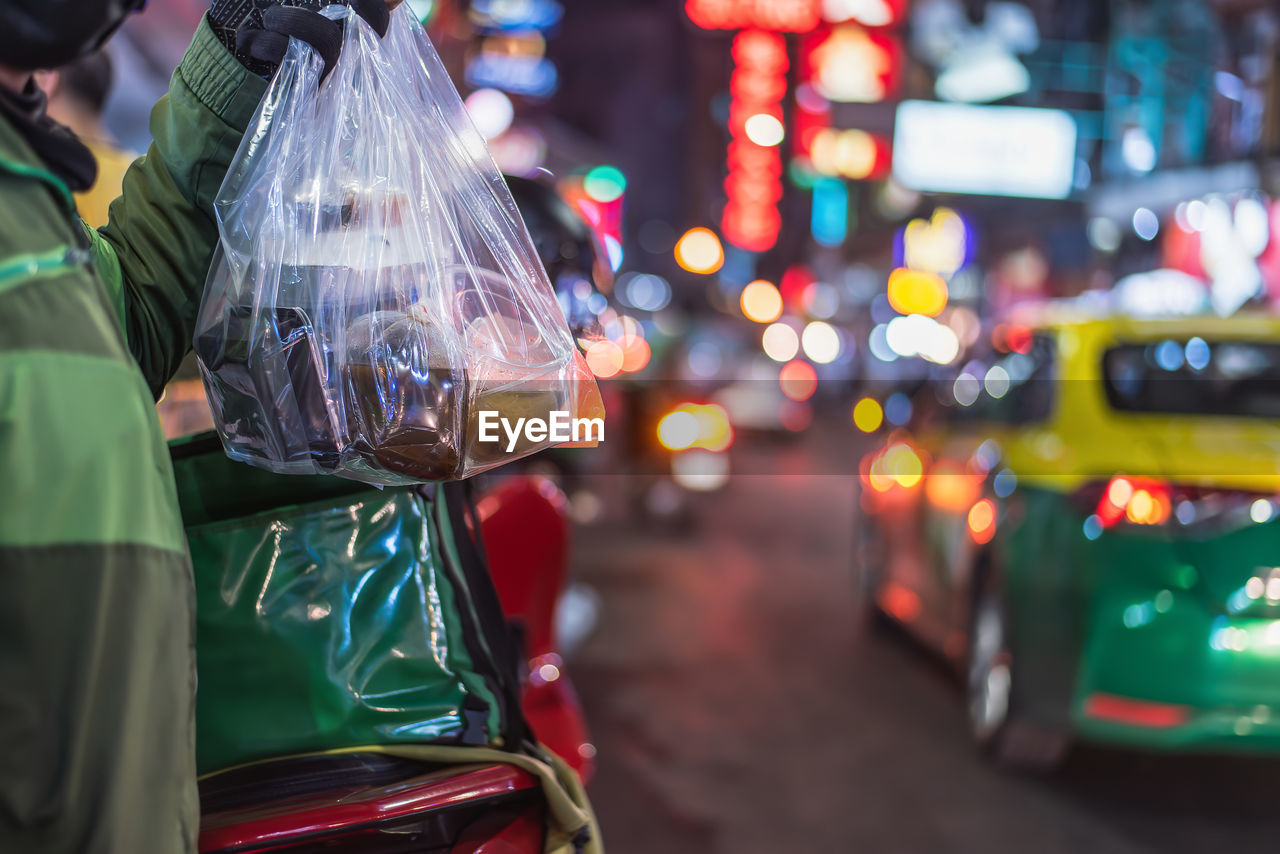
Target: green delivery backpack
331 614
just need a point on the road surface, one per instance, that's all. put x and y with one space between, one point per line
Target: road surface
737 709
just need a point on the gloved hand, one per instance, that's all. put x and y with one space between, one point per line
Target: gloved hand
257 31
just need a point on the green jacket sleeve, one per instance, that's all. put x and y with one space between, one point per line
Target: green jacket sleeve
154 252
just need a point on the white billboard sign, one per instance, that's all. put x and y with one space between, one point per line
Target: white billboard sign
993 151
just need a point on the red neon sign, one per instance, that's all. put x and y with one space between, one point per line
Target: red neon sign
754 186
868 13
848 63
788 16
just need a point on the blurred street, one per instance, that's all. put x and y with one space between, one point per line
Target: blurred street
737 708
529 369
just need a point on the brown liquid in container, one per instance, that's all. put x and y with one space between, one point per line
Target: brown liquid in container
405 403
411 411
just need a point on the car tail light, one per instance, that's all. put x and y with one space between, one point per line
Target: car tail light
1137 501
1143 713
696 426
475 810
897 465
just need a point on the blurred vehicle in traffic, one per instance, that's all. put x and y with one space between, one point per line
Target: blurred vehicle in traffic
1084 520
688 449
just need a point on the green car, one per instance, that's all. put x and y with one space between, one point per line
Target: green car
1085 519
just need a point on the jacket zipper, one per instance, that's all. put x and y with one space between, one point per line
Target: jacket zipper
54 260
42 264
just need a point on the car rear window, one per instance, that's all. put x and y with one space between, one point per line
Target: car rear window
1195 376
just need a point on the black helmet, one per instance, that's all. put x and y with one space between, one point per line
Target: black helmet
49 33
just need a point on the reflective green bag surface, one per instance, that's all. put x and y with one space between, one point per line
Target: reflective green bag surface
337 622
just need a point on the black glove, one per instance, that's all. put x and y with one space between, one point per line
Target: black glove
258 31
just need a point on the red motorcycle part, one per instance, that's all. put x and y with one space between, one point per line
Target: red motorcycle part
525 526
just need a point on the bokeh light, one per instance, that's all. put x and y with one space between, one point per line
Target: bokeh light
936 245
491 112
798 380
613 249
917 335
917 292
952 489
704 426
605 184
645 291
761 302
678 430
700 251
982 521
635 354
868 415
765 130
848 153
605 358
898 409
700 471
780 342
715 432
821 342
897 465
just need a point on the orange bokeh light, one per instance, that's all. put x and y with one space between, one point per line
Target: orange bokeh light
699 251
761 302
635 354
798 380
605 358
704 426
951 488
982 521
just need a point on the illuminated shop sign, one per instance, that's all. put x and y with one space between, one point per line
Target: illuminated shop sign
788 16
751 219
512 57
847 63
853 154
869 13
535 77
489 15
997 151
850 64
941 244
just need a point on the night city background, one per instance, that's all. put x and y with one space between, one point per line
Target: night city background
862 254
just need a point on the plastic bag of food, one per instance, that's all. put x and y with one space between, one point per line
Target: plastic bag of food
376 308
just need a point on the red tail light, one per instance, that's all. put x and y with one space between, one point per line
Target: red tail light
1143 713
1138 501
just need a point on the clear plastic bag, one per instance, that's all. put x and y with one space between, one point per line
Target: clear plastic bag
375 293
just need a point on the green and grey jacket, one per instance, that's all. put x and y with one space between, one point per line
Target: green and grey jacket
96 675
93 323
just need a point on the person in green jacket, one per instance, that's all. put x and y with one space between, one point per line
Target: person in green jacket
97 671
